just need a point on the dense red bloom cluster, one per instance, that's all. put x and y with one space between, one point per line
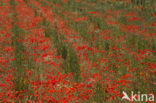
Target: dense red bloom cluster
112 54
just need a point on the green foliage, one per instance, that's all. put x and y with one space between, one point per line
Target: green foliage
12 3
71 64
19 80
138 2
26 1
71 61
99 94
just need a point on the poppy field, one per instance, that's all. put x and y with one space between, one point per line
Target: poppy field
77 51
